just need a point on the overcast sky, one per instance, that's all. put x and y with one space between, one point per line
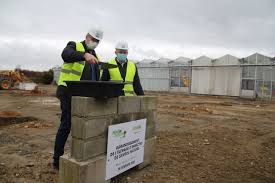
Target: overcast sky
33 33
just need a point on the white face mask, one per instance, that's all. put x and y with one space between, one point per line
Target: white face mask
91 45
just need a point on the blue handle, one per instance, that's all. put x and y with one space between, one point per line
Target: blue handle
93 72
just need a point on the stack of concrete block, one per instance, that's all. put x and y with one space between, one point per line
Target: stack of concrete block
91 117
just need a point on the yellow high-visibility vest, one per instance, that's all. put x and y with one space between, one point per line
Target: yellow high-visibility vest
72 71
129 78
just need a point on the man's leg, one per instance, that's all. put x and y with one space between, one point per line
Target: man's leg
64 128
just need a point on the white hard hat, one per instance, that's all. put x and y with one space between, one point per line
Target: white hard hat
96 32
122 45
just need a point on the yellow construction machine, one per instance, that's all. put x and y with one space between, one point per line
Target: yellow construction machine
10 79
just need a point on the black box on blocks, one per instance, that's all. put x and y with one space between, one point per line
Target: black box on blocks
96 89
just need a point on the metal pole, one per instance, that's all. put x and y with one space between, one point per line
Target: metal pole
241 80
271 82
262 88
271 87
170 77
255 77
179 76
190 76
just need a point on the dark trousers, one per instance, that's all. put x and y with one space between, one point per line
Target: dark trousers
65 123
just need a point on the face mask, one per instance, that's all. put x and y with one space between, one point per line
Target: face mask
121 57
92 45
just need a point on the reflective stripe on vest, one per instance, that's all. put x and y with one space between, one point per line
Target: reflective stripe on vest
129 78
67 71
72 71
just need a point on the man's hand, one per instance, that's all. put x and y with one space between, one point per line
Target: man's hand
90 58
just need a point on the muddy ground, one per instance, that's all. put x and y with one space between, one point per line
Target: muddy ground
201 139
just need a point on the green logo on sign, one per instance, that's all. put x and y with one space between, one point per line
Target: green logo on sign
119 133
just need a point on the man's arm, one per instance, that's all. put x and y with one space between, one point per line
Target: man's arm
70 54
137 86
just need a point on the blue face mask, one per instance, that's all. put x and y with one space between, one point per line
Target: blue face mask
121 57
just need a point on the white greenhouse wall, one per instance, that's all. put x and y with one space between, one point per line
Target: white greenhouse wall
155 84
200 83
154 79
227 81
221 79
216 81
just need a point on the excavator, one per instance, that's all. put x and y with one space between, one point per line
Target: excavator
10 79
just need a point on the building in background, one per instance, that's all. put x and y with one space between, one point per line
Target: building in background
221 76
165 74
154 74
201 75
180 74
253 76
258 76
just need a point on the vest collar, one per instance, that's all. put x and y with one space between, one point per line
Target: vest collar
121 63
84 44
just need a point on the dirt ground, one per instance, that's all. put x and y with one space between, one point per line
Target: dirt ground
201 139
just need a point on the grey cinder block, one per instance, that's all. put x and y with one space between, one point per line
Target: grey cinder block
87 106
127 104
83 150
149 152
150 131
84 128
92 171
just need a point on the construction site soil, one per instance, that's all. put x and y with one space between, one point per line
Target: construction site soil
200 139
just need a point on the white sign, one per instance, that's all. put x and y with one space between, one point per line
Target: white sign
125 147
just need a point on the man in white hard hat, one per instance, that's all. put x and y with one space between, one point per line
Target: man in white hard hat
126 71
80 63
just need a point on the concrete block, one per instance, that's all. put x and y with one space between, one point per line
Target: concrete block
140 115
149 152
151 117
150 131
84 128
122 118
127 104
83 150
92 171
101 170
148 103
88 106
